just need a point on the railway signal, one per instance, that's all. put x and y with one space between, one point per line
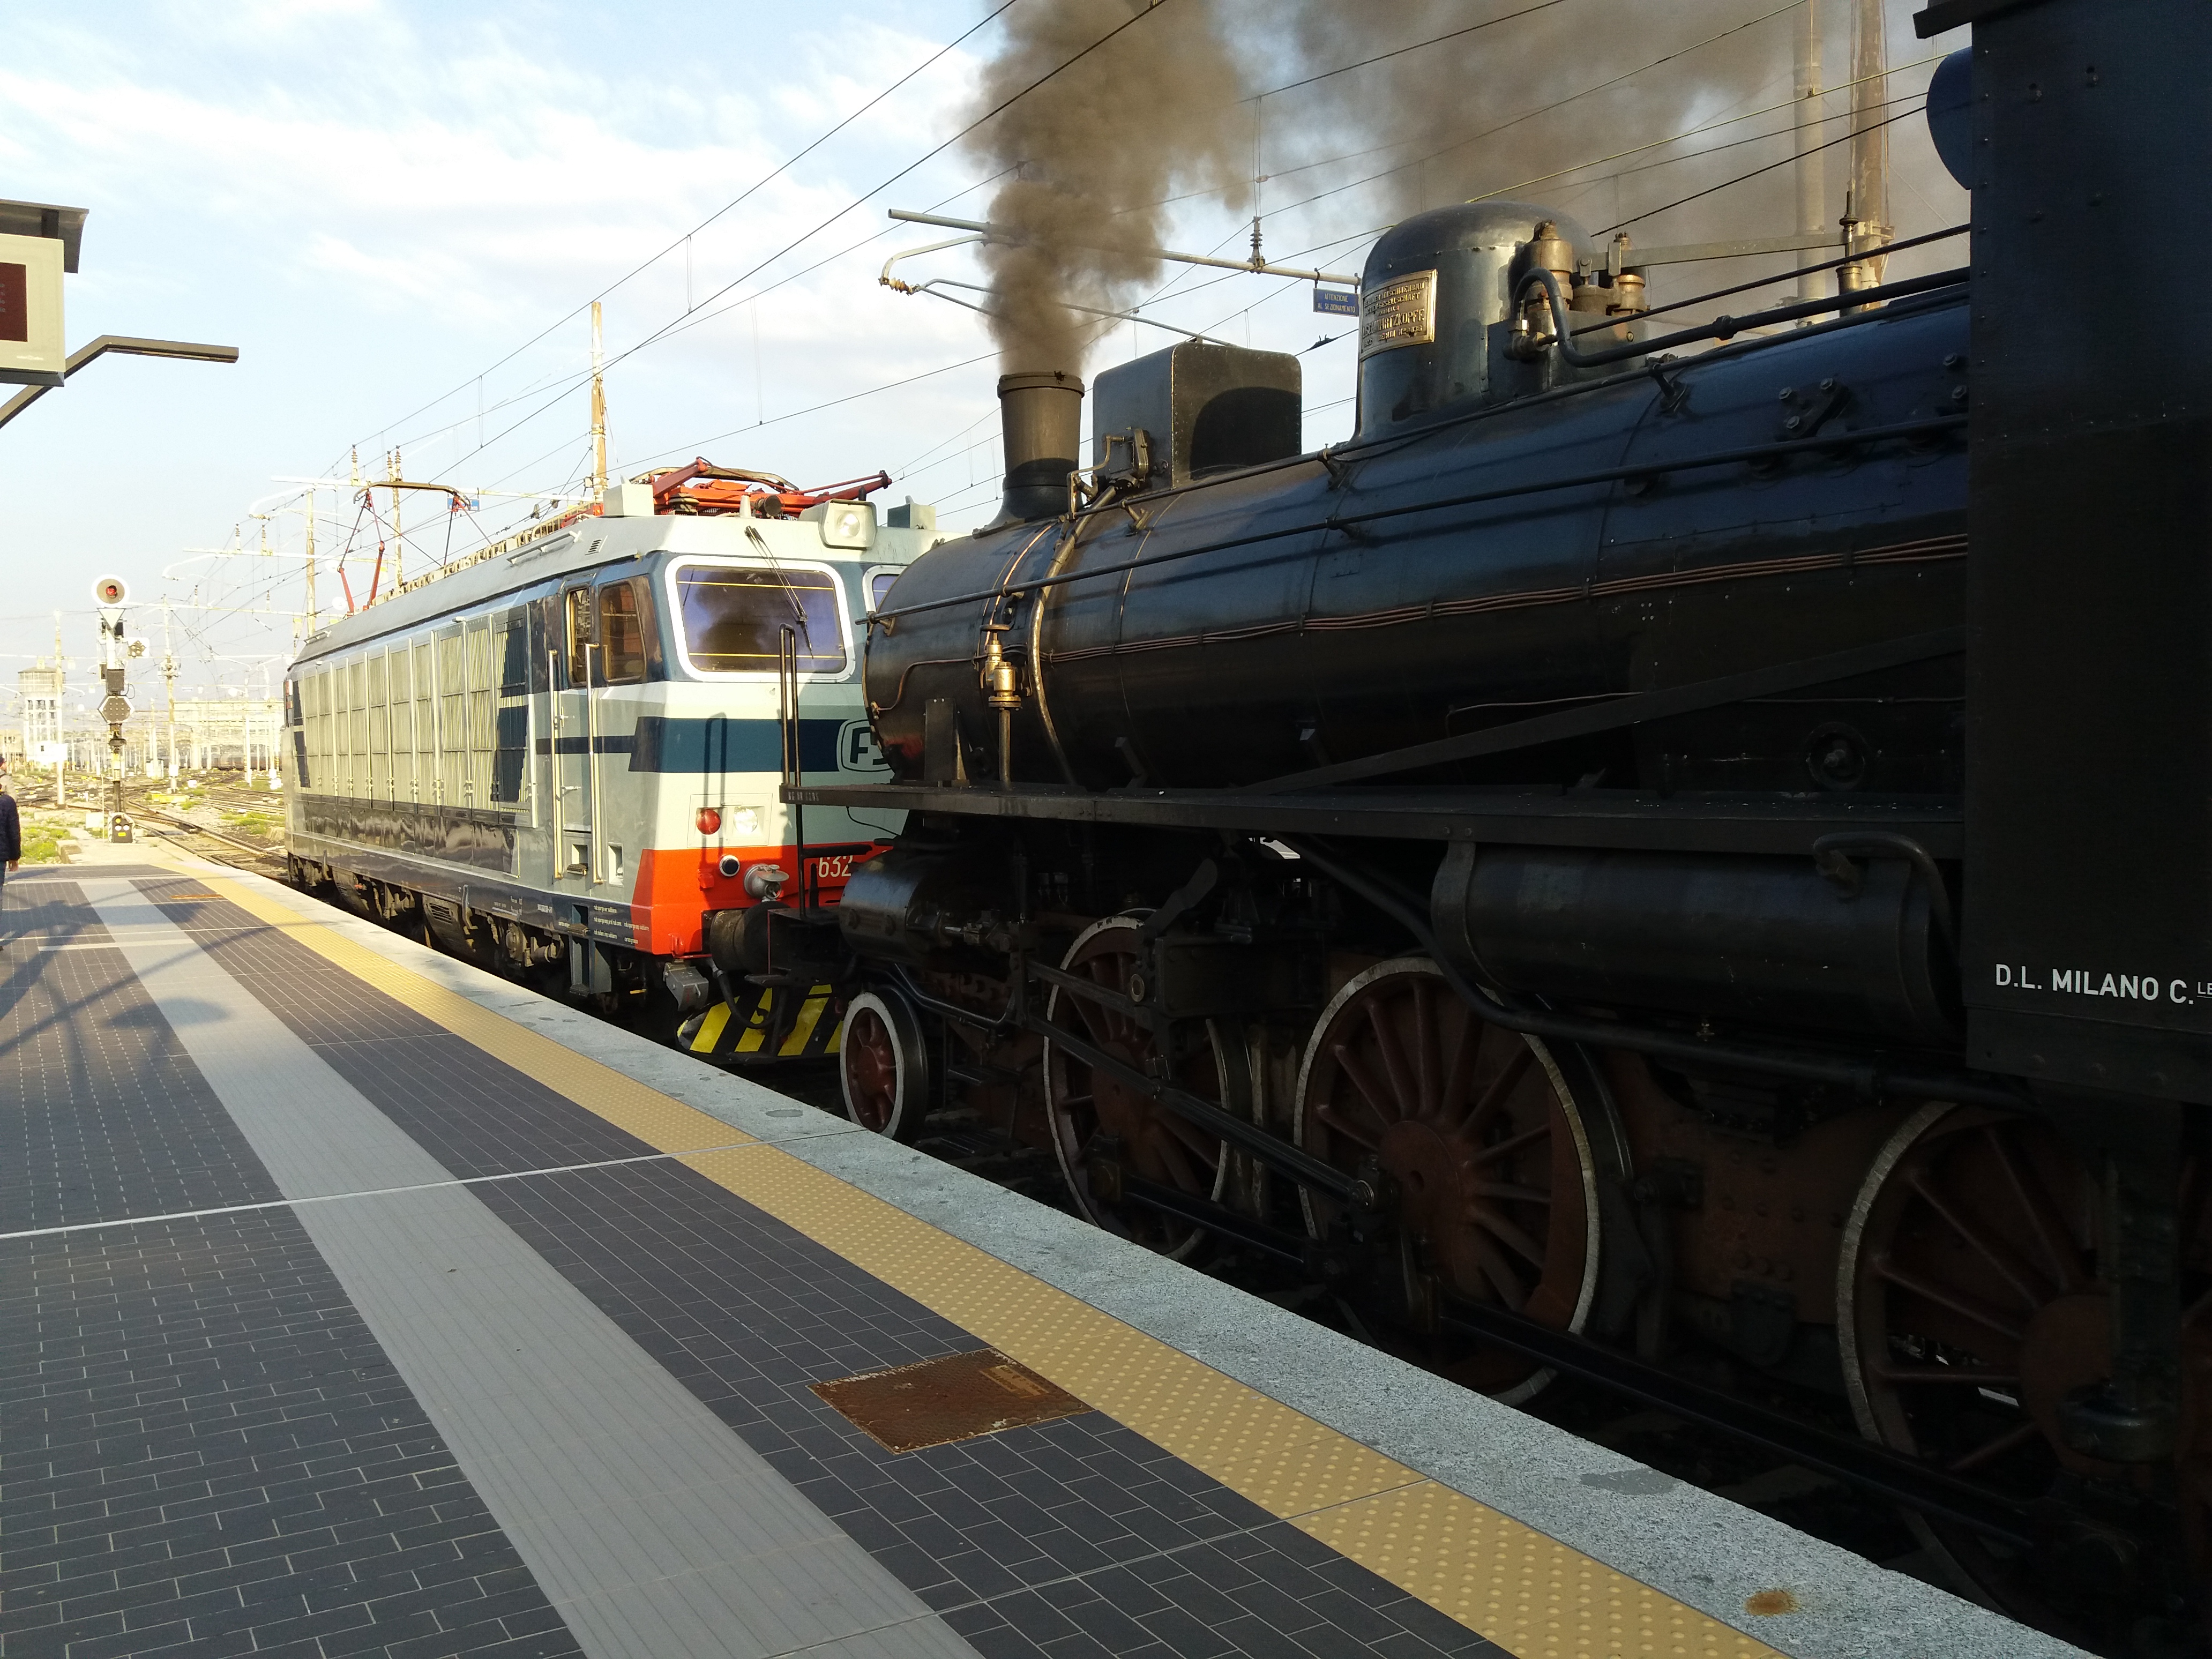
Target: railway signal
116 651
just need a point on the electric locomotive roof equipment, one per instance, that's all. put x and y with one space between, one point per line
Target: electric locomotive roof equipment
1666 868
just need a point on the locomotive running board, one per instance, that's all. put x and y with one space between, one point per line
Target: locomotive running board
1783 825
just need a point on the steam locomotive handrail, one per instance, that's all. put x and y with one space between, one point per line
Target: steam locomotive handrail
1788 276
1720 328
1631 709
1343 520
1871 1079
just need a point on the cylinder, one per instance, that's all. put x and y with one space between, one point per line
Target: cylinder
913 905
1769 941
1041 421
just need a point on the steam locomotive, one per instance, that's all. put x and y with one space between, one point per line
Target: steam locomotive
1693 870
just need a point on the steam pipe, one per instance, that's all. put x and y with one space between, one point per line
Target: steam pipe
1768 282
1720 328
1008 233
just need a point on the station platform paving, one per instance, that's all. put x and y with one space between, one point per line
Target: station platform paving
355 1300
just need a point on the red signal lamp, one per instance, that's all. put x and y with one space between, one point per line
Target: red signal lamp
709 820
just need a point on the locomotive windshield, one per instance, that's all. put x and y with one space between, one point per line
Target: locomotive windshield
734 619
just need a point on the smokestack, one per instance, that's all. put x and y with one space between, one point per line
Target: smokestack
1041 421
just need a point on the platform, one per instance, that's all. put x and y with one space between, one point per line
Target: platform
355 1300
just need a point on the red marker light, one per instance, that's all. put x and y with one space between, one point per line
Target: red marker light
710 820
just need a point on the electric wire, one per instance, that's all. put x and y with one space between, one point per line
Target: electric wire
1651 213
912 167
1400 51
1713 126
777 172
1557 104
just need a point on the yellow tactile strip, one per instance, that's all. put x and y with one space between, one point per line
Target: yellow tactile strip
1531 1594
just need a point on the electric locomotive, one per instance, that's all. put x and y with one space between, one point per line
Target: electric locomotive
562 761
1691 870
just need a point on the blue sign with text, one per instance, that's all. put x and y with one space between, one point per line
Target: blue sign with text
1336 301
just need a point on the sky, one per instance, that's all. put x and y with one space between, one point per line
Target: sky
398 212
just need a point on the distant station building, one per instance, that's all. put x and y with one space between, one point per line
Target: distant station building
39 706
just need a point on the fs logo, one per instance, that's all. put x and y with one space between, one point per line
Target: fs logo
856 748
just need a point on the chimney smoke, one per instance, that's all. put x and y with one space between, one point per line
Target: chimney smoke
1094 153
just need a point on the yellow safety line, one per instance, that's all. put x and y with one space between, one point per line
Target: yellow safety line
1532 1596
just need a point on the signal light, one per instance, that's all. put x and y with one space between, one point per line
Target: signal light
709 820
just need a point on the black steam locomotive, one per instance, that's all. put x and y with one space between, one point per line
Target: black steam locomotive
1693 871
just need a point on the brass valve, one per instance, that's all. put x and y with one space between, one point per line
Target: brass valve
1002 676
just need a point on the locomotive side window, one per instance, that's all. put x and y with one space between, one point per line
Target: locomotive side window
478 783
879 584
622 634
453 717
579 630
426 724
357 702
511 733
401 718
733 618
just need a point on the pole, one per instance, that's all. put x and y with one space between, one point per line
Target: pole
1811 167
169 682
61 720
398 541
311 562
599 411
1870 136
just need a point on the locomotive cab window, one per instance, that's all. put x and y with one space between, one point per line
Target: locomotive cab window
580 618
625 622
733 617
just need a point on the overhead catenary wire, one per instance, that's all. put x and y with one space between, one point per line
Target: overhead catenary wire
912 167
1714 126
1787 161
1400 51
1557 104
774 174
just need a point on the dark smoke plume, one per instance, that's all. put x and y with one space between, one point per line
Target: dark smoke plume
1171 107
1469 116
1151 114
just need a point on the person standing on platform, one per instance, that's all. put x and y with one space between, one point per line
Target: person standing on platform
11 837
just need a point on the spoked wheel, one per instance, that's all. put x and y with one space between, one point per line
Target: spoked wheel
1492 1156
1083 1103
1969 1304
883 1064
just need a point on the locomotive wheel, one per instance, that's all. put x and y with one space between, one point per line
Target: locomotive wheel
1082 1104
1968 1305
883 1064
1490 1151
